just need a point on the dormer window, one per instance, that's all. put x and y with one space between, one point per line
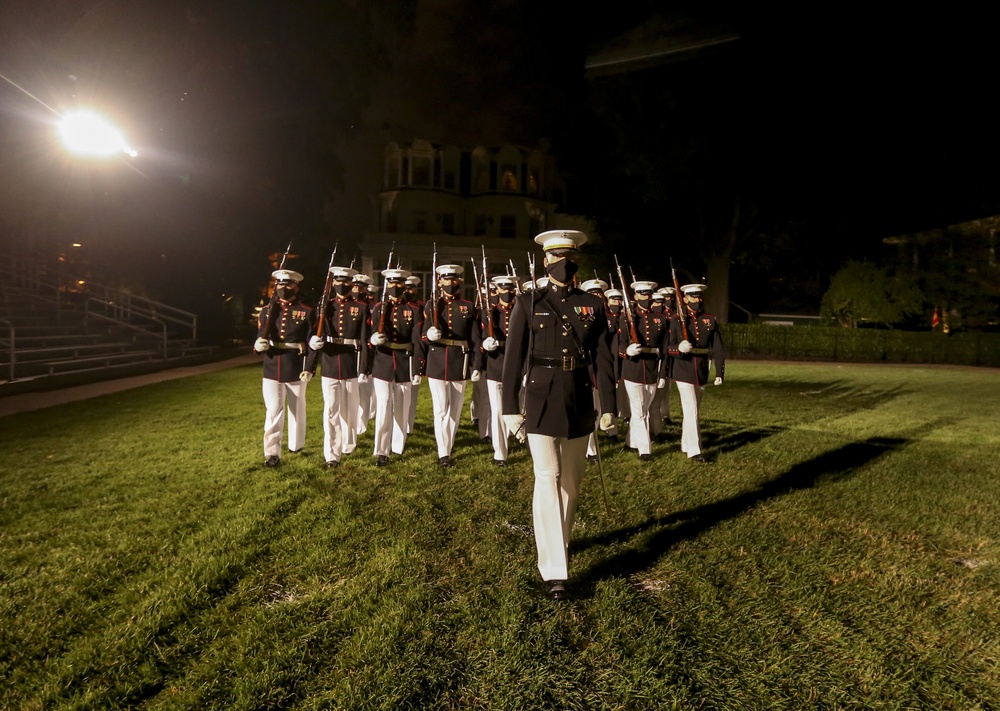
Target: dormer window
508 178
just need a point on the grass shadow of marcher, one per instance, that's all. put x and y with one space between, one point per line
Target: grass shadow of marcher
720 437
669 530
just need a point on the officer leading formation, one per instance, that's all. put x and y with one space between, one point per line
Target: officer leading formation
557 362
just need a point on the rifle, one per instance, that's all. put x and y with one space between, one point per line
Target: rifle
385 291
326 293
680 303
434 287
629 317
269 324
486 281
513 271
475 277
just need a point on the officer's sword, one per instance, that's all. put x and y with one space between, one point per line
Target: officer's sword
600 466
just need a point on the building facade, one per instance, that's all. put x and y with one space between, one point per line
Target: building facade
462 201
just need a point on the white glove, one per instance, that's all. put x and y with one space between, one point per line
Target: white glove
433 333
316 343
662 383
718 381
377 339
305 376
514 425
684 346
261 345
475 376
490 344
606 422
362 378
416 380
633 350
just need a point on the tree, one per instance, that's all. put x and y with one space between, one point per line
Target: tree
862 292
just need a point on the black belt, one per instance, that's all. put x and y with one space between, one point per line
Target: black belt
564 363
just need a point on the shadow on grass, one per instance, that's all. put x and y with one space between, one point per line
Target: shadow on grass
722 437
667 531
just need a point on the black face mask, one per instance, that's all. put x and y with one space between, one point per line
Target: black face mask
695 305
342 289
615 309
395 291
562 271
505 296
286 293
451 289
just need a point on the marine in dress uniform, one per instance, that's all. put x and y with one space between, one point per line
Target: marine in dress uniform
615 301
644 366
659 411
491 362
395 363
689 363
597 287
557 344
413 298
366 393
479 404
281 341
453 338
342 351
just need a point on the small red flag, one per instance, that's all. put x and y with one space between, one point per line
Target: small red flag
935 319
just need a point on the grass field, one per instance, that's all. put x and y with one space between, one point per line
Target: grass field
841 552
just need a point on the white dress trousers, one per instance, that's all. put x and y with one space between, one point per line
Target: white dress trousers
448 397
690 429
640 398
340 405
559 468
498 430
366 405
392 407
276 397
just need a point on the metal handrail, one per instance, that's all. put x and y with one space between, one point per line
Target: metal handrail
29 274
11 346
119 322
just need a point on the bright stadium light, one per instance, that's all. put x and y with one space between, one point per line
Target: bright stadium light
87 133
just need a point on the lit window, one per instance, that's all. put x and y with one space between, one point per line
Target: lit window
508 178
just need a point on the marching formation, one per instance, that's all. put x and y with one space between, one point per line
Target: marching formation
551 362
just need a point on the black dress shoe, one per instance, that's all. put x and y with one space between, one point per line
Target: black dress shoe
381 460
555 589
332 464
272 461
699 458
646 457
500 462
444 462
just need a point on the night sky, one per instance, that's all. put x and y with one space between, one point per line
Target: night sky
253 120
